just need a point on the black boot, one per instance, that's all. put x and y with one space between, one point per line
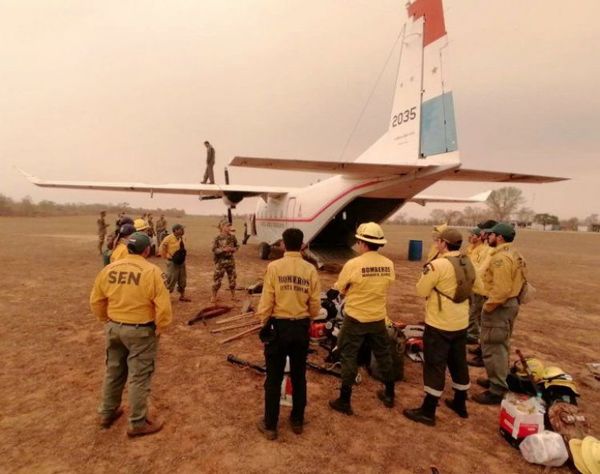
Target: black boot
342 404
387 396
426 413
459 404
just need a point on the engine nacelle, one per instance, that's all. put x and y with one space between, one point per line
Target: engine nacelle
232 199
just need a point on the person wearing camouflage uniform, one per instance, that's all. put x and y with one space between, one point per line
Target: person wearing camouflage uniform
161 229
102 226
224 246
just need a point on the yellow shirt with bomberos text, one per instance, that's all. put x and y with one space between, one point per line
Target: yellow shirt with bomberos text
504 276
119 252
170 245
291 289
132 290
440 311
365 281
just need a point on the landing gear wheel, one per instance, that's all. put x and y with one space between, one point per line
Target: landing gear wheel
264 249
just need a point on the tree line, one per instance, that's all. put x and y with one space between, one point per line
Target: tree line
506 205
27 208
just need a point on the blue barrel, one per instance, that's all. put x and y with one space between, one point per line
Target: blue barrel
415 250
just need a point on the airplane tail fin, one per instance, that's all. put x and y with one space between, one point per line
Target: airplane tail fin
422 128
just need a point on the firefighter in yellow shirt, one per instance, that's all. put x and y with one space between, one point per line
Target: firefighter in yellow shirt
446 320
435 237
480 258
172 248
130 296
120 245
291 296
477 252
503 280
364 281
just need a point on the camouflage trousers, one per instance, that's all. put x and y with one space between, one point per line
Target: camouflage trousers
222 267
101 238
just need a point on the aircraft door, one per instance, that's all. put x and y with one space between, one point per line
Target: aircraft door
291 211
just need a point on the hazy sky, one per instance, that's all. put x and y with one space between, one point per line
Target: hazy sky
129 90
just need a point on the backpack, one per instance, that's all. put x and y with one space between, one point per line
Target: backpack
465 279
527 293
178 257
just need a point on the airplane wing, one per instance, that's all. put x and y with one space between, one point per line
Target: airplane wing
423 199
363 170
206 191
370 170
462 174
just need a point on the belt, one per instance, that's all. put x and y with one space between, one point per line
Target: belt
149 324
291 320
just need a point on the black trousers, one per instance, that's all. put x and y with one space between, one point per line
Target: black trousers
291 339
443 349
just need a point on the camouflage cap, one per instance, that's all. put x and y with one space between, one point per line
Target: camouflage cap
475 231
137 242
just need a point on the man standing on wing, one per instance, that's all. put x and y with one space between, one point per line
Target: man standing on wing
209 175
291 296
130 296
364 281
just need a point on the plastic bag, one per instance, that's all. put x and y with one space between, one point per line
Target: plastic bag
546 448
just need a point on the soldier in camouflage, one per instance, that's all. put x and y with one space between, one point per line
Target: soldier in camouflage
224 246
102 226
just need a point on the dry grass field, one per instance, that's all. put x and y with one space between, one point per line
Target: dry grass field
52 353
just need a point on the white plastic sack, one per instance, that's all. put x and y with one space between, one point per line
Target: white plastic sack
546 448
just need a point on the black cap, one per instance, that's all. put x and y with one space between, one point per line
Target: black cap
485 226
126 229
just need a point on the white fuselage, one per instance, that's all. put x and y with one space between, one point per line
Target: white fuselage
311 208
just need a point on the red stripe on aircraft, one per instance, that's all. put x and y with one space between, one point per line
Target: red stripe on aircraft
433 13
320 211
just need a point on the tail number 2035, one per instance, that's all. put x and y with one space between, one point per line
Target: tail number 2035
403 117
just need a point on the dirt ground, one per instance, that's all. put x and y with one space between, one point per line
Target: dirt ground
52 353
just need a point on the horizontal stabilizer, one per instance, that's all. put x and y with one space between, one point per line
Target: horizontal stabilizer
462 174
352 169
213 190
423 199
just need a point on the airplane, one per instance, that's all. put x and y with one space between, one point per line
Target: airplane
418 149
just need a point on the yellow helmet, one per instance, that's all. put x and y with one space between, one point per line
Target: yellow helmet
555 376
535 365
568 383
553 372
371 232
140 224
